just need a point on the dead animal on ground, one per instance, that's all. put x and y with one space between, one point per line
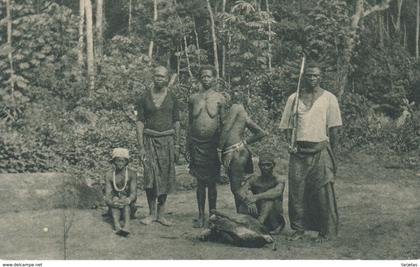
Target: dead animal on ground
237 229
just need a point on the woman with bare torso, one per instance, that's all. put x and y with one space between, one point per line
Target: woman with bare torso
205 115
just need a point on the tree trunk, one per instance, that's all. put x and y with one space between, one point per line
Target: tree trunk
269 37
381 29
130 16
228 52
197 44
397 23
99 28
213 34
417 28
400 3
172 80
80 57
187 57
89 42
155 18
223 45
9 42
345 58
178 62
168 60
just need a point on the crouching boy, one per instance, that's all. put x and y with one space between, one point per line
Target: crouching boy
264 195
121 191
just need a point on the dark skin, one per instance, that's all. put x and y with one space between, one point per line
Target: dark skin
120 205
159 92
235 124
206 109
267 200
309 94
311 91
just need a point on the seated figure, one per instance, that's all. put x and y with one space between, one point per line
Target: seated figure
121 191
263 195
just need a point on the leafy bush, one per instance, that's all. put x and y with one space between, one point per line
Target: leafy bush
363 127
59 125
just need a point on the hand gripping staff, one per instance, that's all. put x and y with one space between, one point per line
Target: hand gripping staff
293 147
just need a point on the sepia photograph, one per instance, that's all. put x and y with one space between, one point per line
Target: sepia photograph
209 130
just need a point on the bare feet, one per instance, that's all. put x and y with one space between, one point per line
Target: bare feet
118 230
133 214
198 223
298 235
164 221
123 232
277 231
321 238
268 238
148 220
204 235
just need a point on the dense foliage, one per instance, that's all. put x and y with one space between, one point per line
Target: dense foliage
52 121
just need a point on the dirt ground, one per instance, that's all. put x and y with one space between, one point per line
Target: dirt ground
379 219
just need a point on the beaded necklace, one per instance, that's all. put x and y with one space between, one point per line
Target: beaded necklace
125 181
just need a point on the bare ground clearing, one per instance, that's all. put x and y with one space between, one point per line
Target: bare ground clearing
379 217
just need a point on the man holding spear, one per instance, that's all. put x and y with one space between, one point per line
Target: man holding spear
311 119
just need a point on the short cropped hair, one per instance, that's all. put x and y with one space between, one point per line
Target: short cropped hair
266 157
161 68
312 65
208 67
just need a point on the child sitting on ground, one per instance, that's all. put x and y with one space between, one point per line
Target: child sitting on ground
121 191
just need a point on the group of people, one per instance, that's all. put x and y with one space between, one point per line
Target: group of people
215 140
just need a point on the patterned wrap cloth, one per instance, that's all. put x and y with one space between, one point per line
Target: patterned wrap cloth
159 167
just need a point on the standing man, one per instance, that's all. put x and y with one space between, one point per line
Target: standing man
158 139
312 204
205 116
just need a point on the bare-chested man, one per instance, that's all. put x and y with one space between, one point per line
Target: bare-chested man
263 195
205 116
233 148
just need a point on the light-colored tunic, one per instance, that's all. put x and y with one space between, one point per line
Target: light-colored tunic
313 122
312 202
